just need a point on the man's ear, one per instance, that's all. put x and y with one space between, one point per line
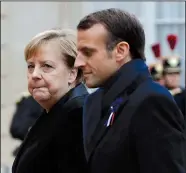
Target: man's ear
72 75
122 51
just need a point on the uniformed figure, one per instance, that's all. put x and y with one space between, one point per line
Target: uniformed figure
171 74
26 113
156 69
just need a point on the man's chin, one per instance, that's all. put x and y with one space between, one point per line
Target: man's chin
90 84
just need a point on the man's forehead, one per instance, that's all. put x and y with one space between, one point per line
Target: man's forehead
95 32
91 37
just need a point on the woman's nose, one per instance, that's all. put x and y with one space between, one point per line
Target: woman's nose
36 74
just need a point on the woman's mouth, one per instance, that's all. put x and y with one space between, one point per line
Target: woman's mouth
38 88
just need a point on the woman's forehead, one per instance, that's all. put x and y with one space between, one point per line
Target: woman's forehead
45 51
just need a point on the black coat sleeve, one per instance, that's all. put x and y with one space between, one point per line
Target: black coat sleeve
180 100
158 129
26 113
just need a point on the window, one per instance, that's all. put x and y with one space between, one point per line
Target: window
170 18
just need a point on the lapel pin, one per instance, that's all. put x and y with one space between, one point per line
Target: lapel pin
111 117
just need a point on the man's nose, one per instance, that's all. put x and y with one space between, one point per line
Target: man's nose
79 62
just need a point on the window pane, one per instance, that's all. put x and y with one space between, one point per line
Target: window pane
170 10
164 30
132 7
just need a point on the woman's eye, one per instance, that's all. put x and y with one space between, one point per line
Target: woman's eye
30 66
47 66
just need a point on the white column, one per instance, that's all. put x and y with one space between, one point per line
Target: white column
87 7
148 20
63 14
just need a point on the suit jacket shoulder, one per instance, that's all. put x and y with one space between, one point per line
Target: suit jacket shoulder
147 90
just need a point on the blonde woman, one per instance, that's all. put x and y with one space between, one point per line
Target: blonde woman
54 143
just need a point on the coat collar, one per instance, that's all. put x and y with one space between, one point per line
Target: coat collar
128 72
118 83
78 91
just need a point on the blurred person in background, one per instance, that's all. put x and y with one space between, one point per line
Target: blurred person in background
171 75
156 69
131 124
54 144
26 112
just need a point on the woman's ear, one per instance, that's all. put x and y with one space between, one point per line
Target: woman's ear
72 75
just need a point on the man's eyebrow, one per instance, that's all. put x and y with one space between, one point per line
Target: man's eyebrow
86 49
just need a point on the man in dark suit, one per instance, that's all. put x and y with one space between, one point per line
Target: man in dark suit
131 124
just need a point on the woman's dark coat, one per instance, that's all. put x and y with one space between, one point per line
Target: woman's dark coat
54 144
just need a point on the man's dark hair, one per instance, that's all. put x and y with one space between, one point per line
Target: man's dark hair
121 26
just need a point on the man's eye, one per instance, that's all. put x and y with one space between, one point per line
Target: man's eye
88 53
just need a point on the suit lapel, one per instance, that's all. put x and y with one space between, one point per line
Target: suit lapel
101 130
91 118
96 124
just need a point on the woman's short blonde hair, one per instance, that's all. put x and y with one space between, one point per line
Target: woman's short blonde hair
67 40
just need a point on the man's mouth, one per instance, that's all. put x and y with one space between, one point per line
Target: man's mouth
86 74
